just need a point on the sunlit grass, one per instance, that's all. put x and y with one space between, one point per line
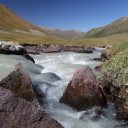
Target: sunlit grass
30 39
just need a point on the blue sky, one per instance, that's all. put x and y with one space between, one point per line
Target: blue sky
81 15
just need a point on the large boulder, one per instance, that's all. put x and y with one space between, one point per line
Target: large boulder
11 48
82 91
19 113
52 48
19 82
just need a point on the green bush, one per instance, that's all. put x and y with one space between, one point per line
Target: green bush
116 70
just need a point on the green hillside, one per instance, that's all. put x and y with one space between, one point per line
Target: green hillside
117 27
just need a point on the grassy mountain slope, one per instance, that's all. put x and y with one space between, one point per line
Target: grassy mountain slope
117 27
11 24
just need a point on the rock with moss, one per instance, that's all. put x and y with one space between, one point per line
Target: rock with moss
114 81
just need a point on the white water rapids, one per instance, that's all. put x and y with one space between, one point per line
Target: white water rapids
64 65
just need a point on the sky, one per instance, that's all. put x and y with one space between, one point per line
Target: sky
80 15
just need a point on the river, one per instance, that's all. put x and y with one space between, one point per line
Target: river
64 65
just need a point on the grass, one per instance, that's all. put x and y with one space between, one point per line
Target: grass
115 40
115 71
119 48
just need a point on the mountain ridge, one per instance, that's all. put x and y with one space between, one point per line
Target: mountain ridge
118 26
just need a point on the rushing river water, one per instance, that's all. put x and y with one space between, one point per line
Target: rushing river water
64 65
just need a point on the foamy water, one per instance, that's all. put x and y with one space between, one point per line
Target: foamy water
64 65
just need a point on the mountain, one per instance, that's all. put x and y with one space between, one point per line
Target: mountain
10 23
64 33
117 27
13 27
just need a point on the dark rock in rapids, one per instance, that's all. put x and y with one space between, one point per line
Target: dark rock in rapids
19 82
82 91
19 113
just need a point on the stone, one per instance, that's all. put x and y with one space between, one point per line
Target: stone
32 50
99 67
97 59
88 50
93 114
116 95
122 104
19 113
28 57
105 55
11 48
82 91
52 48
19 82
78 50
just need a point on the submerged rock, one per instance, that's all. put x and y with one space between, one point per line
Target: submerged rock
94 114
49 77
82 91
19 113
28 57
19 82
97 59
